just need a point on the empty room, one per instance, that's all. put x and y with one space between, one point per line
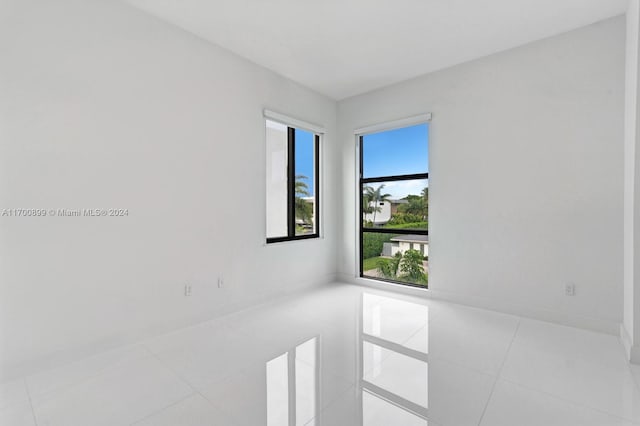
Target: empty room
334 213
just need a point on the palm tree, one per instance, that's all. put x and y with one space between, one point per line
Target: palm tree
375 197
303 209
367 207
425 200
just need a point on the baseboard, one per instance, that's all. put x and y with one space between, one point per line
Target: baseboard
571 320
106 343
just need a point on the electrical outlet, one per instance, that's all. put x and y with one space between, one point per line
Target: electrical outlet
220 282
570 289
187 289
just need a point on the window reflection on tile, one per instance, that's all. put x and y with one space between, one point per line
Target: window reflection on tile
306 381
394 372
396 321
292 386
377 411
394 369
278 392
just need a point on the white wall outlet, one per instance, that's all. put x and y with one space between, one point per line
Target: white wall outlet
570 289
220 282
187 289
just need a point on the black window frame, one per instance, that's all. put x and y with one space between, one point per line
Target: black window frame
362 181
291 183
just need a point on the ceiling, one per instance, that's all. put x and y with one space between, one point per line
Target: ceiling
343 48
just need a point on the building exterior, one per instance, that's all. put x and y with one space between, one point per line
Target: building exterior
402 243
387 210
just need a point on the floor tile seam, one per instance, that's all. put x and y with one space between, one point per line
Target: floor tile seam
148 340
173 404
568 401
194 390
154 352
624 369
90 377
415 333
281 298
382 360
228 414
81 360
153 356
440 358
252 334
499 373
633 378
630 369
330 372
223 319
335 400
13 402
172 371
613 339
244 370
33 411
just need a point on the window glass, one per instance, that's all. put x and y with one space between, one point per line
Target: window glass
396 152
276 179
292 187
305 182
394 207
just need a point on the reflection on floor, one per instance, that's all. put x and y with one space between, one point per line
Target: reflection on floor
342 355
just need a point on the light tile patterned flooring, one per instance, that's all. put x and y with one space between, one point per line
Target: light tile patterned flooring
342 355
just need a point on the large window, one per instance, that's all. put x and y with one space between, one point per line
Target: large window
292 182
394 205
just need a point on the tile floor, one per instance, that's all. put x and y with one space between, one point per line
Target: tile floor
342 355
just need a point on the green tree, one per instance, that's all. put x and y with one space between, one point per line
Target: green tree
405 267
372 244
375 197
303 209
403 218
417 204
389 268
367 206
411 266
425 195
425 200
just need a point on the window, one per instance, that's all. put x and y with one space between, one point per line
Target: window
394 205
292 182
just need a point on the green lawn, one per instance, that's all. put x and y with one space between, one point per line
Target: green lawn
413 225
372 263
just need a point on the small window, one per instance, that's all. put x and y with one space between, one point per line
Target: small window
292 182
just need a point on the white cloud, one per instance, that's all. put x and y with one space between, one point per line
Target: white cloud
402 188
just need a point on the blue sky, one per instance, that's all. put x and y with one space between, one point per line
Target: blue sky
394 152
304 157
397 152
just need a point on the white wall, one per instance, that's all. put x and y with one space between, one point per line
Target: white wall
526 176
630 330
102 106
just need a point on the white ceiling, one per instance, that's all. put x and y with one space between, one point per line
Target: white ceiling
346 47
